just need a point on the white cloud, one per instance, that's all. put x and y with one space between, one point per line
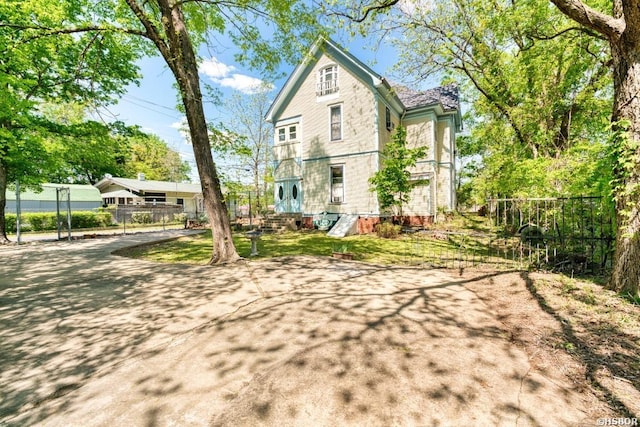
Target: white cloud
183 128
242 83
223 75
215 69
180 124
414 7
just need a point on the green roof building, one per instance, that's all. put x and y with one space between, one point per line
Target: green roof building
83 198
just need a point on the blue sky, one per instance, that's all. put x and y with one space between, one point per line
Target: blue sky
151 105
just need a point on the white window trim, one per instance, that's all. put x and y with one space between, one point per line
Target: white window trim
320 90
341 123
331 200
286 127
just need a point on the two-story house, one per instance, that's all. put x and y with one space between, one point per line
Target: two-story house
332 119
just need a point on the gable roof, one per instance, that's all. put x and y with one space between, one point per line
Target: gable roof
139 185
401 98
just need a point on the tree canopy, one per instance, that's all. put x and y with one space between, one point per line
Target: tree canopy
39 65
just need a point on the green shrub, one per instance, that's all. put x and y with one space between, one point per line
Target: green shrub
46 221
90 219
388 230
141 218
40 221
180 217
10 222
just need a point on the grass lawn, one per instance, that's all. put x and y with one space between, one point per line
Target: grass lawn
405 249
197 249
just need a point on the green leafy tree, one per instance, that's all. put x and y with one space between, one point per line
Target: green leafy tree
392 182
621 29
537 85
37 65
152 156
175 29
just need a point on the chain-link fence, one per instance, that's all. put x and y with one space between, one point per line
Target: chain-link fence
134 216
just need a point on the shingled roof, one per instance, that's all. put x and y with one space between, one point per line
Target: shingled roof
447 96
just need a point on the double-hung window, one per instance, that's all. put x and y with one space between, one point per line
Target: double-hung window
336 122
327 80
387 114
337 184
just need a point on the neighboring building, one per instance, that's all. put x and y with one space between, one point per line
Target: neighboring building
332 119
82 197
126 191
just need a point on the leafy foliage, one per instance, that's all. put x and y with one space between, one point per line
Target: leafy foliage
538 88
47 221
393 182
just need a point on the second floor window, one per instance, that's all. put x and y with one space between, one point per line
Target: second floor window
388 118
336 122
327 80
287 133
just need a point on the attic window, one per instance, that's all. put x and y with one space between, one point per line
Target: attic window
327 80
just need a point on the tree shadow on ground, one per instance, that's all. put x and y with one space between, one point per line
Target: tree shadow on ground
608 353
67 318
88 338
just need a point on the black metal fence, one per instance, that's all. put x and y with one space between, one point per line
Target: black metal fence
574 235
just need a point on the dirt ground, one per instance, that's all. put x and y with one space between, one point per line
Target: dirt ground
88 338
571 328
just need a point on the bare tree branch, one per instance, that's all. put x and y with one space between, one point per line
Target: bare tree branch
48 31
385 4
604 24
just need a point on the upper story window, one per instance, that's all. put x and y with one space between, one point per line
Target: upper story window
387 114
336 122
327 80
287 133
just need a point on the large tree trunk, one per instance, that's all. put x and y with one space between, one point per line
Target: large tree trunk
183 64
622 29
3 203
625 52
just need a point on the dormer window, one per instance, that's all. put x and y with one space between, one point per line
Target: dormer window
327 80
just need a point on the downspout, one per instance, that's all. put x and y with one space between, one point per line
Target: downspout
436 167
